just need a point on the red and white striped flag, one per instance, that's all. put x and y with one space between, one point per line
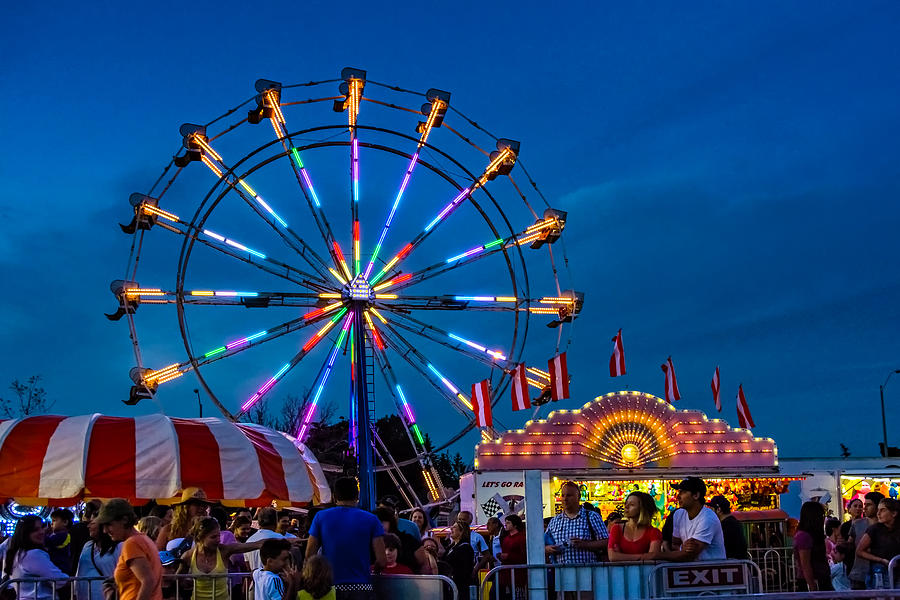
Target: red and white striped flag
744 418
617 360
481 403
559 377
672 392
715 390
520 398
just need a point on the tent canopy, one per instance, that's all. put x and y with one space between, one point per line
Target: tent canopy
56 460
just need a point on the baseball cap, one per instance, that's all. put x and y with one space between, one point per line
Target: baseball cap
167 558
114 509
720 502
692 484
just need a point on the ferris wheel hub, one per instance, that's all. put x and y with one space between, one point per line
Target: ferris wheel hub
359 290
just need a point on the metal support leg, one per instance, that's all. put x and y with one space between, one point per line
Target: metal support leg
365 463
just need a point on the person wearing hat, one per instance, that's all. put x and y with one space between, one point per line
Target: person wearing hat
138 572
193 504
696 530
170 564
732 532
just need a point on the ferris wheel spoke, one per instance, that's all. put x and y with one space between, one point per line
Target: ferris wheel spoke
436 112
500 164
404 407
426 368
352 88
322 379
479 352
410 353
254 340
270 97
293 362
196 137
542 229
229 298
231 247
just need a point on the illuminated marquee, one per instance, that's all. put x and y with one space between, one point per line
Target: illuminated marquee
628 430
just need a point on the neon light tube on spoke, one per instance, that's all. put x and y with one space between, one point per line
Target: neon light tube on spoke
446 382
343 263
307 418
265 388
467 342
390 219
406 407
447 209
245 340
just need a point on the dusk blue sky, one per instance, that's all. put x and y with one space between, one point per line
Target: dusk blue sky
730 171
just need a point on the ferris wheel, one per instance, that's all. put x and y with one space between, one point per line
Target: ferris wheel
424 286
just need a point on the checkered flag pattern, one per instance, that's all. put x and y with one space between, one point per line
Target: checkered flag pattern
492 508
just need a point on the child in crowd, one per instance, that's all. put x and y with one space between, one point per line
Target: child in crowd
392 551
59 541
839 569
275 556
318 582
170 564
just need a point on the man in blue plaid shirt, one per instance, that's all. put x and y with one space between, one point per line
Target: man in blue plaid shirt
577 535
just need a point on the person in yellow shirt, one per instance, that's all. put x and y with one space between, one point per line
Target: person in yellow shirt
318 583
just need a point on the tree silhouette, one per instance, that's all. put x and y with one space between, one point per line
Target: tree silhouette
29 398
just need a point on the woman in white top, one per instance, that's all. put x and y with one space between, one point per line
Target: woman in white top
26 558
98 559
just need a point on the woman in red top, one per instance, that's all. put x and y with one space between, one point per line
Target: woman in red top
636 539
512 552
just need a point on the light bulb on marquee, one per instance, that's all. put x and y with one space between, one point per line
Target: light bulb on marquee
630 453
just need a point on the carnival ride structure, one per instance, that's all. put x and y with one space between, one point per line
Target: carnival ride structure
368 286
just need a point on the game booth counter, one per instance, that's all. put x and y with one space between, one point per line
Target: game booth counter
837 481
627 441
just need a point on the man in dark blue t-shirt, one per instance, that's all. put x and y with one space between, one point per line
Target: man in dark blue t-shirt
346 534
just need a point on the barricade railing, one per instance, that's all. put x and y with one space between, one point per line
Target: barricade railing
777 567
237 586
621 580
834 595
175 587
415 587
892 573
709 577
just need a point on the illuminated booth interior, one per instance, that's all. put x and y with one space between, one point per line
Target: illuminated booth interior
627 441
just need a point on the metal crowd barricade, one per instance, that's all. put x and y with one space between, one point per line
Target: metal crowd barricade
776 566
415 587
606 581
175 587
709 577
180 587
621 580
892 577
835 595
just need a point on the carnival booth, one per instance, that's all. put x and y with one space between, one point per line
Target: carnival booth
54 460
626 441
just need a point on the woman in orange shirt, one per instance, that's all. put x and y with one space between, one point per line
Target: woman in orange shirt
138 573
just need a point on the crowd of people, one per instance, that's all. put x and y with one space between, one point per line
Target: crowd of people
332 553
854 554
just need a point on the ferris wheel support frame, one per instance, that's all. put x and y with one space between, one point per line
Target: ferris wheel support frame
364 458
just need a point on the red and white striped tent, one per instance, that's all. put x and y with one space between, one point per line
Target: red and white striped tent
55 460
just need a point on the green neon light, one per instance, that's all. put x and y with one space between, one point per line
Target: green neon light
419 437
296 156
494 243
218 350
